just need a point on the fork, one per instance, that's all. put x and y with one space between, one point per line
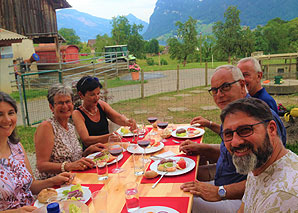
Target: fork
154 185
178 142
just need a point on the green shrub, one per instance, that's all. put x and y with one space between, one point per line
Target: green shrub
150 61
163 61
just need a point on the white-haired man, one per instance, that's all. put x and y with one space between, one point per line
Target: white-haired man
252 73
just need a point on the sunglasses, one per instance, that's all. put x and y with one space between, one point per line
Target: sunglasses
89 79
225 87
242 131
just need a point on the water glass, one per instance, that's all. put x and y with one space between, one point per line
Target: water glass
132 197
138 164
99 200
102 169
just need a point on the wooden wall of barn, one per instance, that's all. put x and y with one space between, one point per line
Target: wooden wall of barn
28 16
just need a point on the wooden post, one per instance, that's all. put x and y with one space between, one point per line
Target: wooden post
105 87
142 83
206 74
178 78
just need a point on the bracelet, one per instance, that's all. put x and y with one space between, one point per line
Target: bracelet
63 166
210 124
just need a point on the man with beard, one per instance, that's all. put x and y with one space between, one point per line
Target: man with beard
225 193
250 135
252 73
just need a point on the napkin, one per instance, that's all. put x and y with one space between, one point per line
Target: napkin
180 204
163 155
110 167
190 176
170 142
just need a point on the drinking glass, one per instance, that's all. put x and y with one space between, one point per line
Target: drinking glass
102 169
143 144
132 197
152 120
138 164
99 200
115 148
141 130
162 125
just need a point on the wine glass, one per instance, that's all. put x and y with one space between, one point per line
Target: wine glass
115 148
143 144
152 120
163 125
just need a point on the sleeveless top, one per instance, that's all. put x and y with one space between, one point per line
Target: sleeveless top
96 128
15 180
66 147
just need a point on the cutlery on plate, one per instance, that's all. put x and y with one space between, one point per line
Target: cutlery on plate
178 142
154 185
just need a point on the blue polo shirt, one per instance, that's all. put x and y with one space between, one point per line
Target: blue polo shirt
225 170
264 96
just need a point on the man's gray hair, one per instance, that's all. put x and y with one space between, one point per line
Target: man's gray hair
60 89
236 72
254 61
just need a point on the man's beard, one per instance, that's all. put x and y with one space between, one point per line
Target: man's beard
255 159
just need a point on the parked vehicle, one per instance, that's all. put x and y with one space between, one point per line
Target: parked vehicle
119 53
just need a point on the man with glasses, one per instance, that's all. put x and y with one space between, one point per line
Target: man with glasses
227 85
250 135
252 74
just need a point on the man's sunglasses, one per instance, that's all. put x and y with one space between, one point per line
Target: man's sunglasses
242 131
225 87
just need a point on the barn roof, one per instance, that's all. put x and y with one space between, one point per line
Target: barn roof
59 4
8 35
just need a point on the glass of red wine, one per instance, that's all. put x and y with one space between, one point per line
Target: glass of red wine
115 148
143 144
152 120
163 125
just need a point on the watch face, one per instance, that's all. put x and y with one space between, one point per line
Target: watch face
221 192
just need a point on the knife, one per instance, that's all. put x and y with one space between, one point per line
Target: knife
154 185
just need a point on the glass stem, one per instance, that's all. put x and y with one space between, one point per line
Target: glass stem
117 167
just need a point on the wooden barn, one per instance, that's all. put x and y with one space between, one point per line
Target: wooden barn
34 19
47 53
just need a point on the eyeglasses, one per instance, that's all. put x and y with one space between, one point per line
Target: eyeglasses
225 87
61 103
242 131
89 79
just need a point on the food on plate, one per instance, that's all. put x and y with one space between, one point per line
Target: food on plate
150 174
166 133
104 155
167 165
75 191
181 132
125 130
181 164
74 208
153 143
45 194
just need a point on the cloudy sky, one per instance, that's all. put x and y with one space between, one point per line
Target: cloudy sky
142 9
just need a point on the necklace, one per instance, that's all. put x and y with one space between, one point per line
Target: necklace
92 114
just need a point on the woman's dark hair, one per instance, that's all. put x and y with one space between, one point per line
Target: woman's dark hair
253 107
6 98
88 83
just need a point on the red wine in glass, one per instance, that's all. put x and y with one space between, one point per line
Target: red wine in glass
115 151
162 125
143 143
152 119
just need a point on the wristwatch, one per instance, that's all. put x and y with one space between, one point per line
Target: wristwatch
222 192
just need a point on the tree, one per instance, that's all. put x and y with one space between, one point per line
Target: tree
208 44
102 41
184 47
152 46
135 42
70 36
228 34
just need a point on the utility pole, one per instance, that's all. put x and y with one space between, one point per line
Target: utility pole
200 48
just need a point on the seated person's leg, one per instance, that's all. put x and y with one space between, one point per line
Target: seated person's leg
206 172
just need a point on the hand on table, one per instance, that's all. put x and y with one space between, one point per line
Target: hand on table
82 164
98 147
204 190
62 178
189 147
200 120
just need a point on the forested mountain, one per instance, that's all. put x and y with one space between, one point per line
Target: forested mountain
87 26
252 12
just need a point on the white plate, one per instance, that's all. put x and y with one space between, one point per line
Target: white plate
190 164
187 136
130 134
86 195
136 149
91 156
158 209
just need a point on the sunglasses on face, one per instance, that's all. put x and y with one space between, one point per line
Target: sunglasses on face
89 79
225 87
242 131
